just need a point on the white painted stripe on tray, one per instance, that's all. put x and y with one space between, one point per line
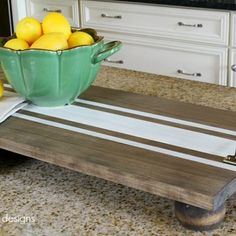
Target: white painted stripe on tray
171 153
140 128
159 117
154 116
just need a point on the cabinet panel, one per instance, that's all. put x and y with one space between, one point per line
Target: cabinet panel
173 23
233 30
199 63
18 11
68 8
232 68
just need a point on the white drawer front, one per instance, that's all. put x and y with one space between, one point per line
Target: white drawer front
174 23
39 8
200 63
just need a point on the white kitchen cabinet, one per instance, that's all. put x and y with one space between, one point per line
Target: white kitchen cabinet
175 41
178 60
179 42
232 53
167 22
233 30
39 8
18 11
232 68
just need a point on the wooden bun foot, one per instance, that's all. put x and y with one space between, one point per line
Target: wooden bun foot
199 219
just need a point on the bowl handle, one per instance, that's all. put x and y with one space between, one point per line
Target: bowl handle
107 50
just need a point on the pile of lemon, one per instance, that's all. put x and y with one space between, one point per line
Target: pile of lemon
54 33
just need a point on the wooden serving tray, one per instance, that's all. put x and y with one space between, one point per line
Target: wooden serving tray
168 148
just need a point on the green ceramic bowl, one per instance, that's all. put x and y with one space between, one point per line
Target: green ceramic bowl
55 78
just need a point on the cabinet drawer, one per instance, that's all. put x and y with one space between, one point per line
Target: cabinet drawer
174 23
39 8
181 60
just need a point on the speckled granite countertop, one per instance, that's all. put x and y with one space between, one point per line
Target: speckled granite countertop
59 202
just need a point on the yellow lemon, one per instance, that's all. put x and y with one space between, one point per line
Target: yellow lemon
17 44
80 38
56 22
1 88
51 41
28 29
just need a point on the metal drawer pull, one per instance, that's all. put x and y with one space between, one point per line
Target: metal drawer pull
233 68
117 62
48 10
114 17
190 25
191 74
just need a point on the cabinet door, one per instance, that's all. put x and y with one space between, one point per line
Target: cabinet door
69 8
181 60
233 30
232 68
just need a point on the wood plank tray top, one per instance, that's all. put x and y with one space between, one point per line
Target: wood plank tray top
123 145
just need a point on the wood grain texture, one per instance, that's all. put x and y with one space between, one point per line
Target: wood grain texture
185 181
158 105
129 137
182 180
159 121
